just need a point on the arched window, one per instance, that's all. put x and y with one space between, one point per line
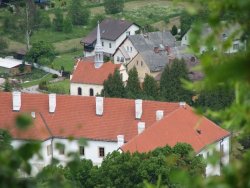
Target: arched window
79 91
91 92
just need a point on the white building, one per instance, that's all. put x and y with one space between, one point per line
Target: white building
227 33
113 33
90 73
107 124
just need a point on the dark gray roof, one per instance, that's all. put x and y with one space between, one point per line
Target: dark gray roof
146 43
110 29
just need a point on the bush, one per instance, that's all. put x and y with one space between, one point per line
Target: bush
3 44
113 6
54 76
43 85
174 30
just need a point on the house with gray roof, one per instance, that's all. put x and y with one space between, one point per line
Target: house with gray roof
228 32
149 52
113 33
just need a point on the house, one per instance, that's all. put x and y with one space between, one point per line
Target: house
226 33
90 72
107 124
149 52
113 33
12 66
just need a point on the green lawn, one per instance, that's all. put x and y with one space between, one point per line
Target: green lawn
66 60
37 81
61 87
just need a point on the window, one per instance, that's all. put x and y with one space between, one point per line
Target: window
110 45
208 154
118 58
128 33
127 48
49 150
236 46
102 43
61 150
222 150
137 63
122 59
79 91
81 150
131 49
101 152
91 92
141 63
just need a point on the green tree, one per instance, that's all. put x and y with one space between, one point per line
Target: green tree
7 85
58 20
67 26
171 87
79 14
5 140
3 44
215 99
39 51
174 30
113 86
113 6
133 88
150 88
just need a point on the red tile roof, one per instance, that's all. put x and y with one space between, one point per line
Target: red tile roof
182 125
75 116
86 72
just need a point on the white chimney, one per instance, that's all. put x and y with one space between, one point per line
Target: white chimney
141 127
182 104
52 102
120 140
159 115
33 115
99 105
138 108
16 100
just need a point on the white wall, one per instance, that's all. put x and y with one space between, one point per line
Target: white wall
124 73
215 170
85 89
88 54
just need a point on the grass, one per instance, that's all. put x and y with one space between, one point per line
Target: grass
66 60
61 87
47 77
67 45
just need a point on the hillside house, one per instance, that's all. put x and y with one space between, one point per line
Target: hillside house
113 33
90 72
227 32
108 124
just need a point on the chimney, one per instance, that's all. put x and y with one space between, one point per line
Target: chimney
138 108
159 115
99 106
182 104
16 99
120 140
33 115
52 102
141 127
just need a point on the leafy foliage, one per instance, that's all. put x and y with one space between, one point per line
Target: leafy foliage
3 44
113 6
79 14
41 50
174 30
58 21
150 88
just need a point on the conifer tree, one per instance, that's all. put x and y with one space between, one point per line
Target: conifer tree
150 88
170 84
133 85
113 86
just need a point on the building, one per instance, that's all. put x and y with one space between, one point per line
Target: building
226 33
90 73
107 124
113 33
149 52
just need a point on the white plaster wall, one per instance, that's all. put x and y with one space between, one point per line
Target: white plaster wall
87 54
118 54
185 40
91 150
212 170
85 89
106 47
124 73
128 43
